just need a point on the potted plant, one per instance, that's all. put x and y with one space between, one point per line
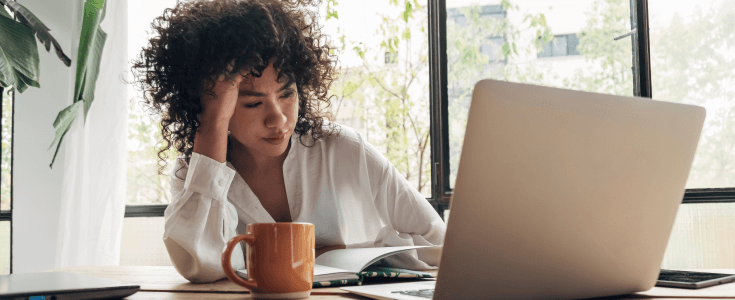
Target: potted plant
19 62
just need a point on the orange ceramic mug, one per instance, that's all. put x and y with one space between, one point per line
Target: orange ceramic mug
279 258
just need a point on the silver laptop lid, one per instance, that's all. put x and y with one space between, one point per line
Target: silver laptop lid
564 194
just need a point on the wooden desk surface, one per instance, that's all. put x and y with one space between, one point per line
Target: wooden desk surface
166 283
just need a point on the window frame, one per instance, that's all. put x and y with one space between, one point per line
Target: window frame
441 192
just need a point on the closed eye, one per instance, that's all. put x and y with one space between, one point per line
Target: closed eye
287 94
252 105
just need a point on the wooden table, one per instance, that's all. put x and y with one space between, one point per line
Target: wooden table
166 283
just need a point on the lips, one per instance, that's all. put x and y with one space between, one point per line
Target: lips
276 139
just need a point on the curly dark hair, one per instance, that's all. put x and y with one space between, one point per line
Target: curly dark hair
197 41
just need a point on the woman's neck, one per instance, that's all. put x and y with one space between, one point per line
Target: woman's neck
244 159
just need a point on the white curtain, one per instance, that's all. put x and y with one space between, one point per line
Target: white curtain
95 159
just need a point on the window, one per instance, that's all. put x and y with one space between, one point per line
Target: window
6 181
6 177
147 191
7 146
386 101
690 61
520 34
145 185
407 69
693 62
391 57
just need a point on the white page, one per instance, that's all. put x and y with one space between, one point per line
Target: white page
321 273
324 270
318 270
354 260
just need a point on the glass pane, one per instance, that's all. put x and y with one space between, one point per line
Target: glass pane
559 45
572 44
582 56
141 243
145 186
702 237
4 247
693 61
382 89
7 144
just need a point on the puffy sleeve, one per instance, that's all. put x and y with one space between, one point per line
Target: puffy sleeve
408 218
200 221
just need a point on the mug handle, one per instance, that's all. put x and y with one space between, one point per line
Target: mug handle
227 265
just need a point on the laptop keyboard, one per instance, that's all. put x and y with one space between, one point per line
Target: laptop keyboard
428 293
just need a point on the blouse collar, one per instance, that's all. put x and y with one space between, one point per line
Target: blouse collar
243 197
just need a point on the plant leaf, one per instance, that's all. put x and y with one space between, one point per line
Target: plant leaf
27 82
91 44
42 32
63 122
93 70
407 13
506 50
18 55
88 36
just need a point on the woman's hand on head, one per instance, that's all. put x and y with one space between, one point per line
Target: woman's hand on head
218 106
219 102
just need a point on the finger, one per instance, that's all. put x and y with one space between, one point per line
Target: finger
228 70
237 78
231 66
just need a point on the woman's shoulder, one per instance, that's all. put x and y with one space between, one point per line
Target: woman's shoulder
342 140
349 144
341 136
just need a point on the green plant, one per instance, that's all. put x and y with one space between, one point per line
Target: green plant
19 61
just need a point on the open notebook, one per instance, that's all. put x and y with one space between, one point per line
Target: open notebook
352 266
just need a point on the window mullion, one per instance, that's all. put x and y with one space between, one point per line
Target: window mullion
642 53
439 103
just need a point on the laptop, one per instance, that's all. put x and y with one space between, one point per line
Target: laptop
62 285
560 194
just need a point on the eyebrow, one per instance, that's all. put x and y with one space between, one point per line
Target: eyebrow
286 86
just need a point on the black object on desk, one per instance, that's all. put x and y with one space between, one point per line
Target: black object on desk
691 280
62 285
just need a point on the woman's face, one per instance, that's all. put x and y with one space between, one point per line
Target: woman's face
265 115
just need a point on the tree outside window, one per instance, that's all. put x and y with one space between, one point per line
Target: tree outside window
382 90
7 138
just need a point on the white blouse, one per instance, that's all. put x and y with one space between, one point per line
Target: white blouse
343 185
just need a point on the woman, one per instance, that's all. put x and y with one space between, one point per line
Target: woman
240 86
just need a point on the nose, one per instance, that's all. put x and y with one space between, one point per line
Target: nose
275 117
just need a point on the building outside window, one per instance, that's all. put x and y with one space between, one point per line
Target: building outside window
561 45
